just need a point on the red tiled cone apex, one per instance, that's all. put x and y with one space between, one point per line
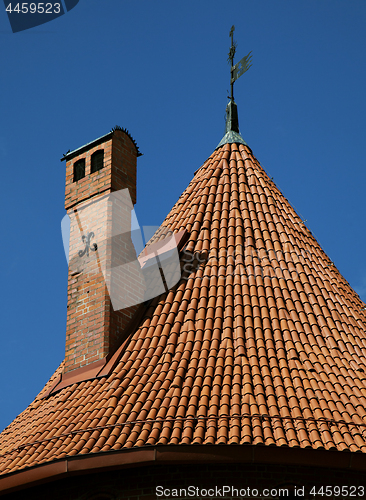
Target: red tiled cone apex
263 343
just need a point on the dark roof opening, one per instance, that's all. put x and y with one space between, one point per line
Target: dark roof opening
79 169
97 161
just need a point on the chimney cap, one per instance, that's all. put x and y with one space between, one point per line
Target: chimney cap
71 154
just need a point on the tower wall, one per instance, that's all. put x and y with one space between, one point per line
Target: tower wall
246 481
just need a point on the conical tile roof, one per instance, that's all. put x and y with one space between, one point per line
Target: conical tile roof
262 341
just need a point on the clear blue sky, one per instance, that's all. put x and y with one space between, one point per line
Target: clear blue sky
159 69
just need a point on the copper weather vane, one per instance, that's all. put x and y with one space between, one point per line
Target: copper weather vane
240 67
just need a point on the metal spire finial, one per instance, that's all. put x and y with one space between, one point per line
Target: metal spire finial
231 60
232 133
239 68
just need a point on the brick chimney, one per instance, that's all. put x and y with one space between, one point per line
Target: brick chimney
93 172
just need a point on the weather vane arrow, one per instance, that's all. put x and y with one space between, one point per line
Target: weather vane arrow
242 66
239 68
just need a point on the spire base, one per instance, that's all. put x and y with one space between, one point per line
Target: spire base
231 137
232 126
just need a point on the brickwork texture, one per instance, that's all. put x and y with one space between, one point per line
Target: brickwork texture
93 327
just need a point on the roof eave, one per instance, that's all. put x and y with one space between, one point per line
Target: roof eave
180 454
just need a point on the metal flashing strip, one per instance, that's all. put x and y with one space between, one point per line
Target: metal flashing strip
71 154
129 423
231 137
